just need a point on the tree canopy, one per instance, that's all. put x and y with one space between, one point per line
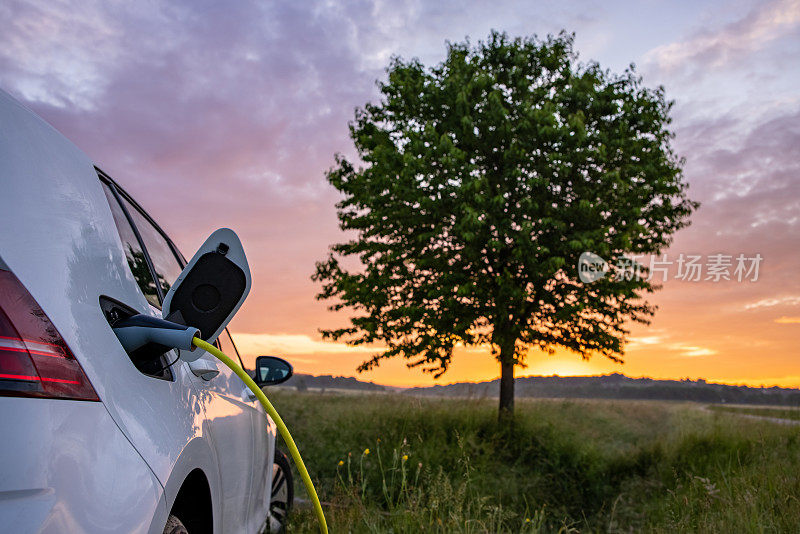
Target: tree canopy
481 181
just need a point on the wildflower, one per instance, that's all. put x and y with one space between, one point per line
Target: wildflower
405 457
366 452
341 463
419 465
379 440
527 519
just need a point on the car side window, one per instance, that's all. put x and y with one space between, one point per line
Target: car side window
133 250
164 261
225 344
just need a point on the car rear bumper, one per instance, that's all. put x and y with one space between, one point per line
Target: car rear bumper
66 467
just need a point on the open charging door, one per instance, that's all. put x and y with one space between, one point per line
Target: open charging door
211 288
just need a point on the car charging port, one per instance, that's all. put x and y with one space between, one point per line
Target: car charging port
153 363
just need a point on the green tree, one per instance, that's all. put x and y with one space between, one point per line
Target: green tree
482 180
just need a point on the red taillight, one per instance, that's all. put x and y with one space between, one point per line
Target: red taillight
34 359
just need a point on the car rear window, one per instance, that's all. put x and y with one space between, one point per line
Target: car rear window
164 261
133 250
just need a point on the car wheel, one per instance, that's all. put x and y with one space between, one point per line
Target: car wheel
174 526
282 492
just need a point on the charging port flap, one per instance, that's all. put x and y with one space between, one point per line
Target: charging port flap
212 287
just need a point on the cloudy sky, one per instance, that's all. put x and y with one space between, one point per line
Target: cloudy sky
242 105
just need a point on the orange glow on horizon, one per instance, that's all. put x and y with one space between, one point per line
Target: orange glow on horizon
646 356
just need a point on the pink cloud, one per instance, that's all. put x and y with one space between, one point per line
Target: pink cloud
710 48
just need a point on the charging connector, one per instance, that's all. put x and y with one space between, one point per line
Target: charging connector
145 337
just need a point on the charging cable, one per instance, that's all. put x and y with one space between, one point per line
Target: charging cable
287 437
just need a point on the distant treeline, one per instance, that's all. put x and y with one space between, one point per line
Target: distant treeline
613 386
619 386
303 382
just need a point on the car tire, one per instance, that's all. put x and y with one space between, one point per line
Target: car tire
174 526
282 493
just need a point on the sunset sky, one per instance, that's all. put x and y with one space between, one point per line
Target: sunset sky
229 113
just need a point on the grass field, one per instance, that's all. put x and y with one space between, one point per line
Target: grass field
390 463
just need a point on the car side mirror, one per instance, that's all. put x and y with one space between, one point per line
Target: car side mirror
271 370
212 286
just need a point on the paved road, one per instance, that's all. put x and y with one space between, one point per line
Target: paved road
779 420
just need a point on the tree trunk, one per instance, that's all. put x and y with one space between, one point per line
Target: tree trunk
506 384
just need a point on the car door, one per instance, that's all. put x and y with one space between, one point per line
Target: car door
230 420
263 444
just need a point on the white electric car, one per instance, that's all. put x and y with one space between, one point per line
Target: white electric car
95 439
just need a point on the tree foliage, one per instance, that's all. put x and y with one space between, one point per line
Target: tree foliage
481 181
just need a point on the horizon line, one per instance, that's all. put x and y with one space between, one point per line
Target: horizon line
686 379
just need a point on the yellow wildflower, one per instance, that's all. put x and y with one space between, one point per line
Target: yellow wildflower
366 452
405 457
341 463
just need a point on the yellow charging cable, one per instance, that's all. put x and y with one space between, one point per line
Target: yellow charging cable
287 438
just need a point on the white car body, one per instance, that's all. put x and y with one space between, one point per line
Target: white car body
117 465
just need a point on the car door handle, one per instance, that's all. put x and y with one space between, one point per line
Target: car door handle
203 368
248 395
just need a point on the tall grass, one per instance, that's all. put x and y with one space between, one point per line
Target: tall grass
390 463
